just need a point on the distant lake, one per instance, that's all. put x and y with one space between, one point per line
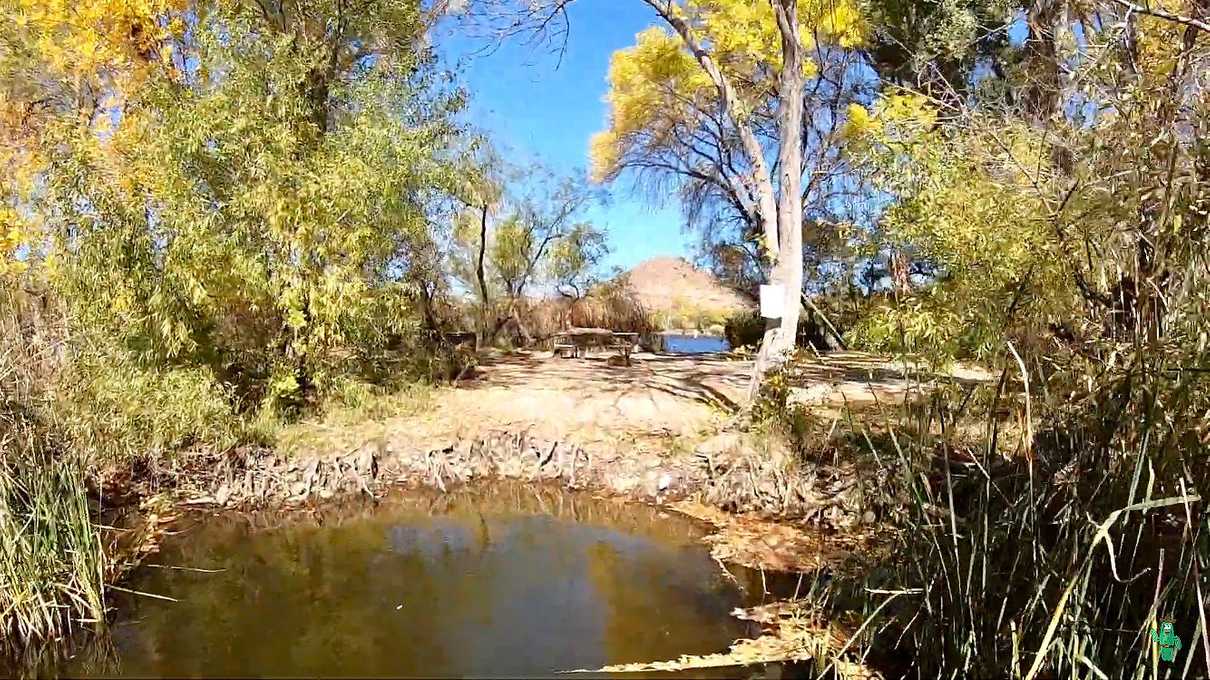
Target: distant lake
689 344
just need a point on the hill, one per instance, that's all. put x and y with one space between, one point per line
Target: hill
672 288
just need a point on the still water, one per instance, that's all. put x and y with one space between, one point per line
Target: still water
517 581
691 344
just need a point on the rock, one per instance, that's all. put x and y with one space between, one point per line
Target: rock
509 468
363 460
650 486
223 493
200 500
725 442
623 483
814 395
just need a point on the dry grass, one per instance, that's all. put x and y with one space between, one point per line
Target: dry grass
772 546
354 417
792 632
608 306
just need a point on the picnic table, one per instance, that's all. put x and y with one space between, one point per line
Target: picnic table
575 342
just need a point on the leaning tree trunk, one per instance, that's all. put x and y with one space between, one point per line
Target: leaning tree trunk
484 301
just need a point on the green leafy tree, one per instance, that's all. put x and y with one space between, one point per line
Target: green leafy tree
530 239
262 203
1014 218
575 261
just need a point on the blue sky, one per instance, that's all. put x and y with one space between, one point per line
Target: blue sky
535 107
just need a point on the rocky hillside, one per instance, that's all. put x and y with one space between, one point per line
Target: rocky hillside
671 288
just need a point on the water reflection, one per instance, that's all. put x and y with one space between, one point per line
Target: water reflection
518 581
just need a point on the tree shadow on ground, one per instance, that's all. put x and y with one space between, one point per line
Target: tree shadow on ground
710 379
876 372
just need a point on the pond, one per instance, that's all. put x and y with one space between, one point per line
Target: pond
516 581
694 344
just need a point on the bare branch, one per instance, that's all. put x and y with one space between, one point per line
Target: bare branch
733 107
1166 15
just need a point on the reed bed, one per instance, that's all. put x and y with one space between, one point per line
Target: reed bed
1055 558
52 563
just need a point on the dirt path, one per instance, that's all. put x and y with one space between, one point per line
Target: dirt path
592 400
658 395
660 401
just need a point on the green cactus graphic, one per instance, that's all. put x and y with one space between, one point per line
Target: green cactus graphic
1166 638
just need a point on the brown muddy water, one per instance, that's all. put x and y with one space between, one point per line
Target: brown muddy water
516 581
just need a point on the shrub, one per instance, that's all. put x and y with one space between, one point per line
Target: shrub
744 329
352 401
113 408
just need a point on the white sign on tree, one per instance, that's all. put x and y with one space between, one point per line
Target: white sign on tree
772 299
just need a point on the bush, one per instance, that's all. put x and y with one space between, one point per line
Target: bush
747 327
351 402
112 408
744 329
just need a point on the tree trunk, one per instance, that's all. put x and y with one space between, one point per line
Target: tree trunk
780 335
789 161
526 338
761 366
484 302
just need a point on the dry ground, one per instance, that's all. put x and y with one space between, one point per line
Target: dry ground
662 393
665 400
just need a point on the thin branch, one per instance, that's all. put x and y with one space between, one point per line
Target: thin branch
1166 15
732 105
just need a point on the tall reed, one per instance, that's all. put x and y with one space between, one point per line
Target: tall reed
52 565
1043 526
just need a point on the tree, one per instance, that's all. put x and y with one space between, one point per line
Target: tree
530 236
67 59
716 102
934 47
575 260
482 193
1045 217
261 201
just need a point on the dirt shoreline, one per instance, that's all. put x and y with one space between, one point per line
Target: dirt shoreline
657 432
765 519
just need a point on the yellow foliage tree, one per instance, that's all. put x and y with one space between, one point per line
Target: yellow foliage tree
225 184
714 101
68 63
